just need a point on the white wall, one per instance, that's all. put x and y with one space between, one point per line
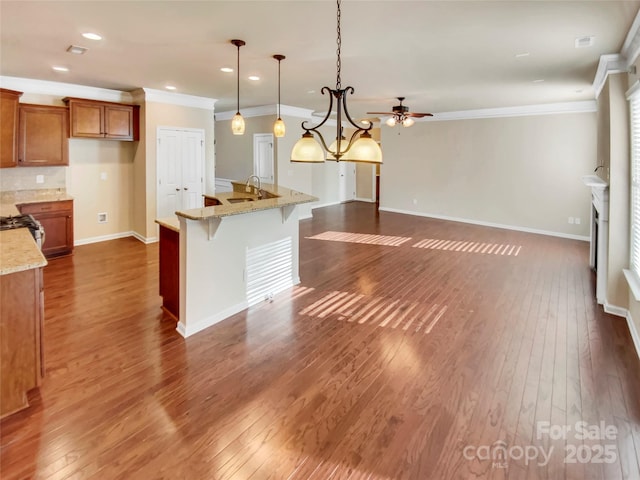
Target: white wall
522 172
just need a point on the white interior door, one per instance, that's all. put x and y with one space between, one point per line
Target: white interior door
347 181
263 157
180 169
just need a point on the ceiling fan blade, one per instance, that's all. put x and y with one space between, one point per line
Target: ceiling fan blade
418 115
380 113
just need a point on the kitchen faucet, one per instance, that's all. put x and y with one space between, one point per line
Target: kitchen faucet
259 184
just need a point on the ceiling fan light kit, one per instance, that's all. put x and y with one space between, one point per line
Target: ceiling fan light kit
359 148
400 114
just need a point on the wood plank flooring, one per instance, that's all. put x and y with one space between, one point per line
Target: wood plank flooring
391 360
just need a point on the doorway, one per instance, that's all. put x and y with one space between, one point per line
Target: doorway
347 181
263 166
180 167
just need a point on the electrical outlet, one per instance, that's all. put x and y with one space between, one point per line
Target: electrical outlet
103 175
39 178
570 220
102 217
577 220
415 201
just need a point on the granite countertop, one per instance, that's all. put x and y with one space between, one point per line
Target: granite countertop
18 249
19 252
171 223
282 197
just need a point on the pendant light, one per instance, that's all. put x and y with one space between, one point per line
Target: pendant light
360 147
237 123
279 127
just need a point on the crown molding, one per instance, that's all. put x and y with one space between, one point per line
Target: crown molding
631 46
160 96
519 111
248 112
612 63
44 87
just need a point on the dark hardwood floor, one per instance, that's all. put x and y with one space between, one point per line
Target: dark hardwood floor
463 357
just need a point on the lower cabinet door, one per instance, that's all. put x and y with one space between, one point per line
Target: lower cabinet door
58 231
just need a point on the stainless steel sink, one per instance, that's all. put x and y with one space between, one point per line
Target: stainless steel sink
239 199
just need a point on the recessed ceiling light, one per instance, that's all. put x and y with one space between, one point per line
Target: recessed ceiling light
523 54
59 68
170 87
586 41
92 36
255 78
77 49
540 80
226 69
311 91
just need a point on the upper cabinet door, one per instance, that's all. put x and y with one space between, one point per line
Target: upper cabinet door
95 119
9 127
119 122
86 120
43 136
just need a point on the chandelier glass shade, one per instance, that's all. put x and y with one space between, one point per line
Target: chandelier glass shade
359 147
237 123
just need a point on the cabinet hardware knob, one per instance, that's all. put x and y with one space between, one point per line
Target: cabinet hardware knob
186 188
177 189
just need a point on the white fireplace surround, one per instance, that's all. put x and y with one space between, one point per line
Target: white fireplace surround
598 259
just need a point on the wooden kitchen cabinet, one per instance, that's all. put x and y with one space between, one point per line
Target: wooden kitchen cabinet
170 270
57 221
9 100
43 135
21 335
94 119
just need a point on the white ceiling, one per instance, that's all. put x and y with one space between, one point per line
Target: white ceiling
441 55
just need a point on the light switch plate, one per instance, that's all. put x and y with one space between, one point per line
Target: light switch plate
39 178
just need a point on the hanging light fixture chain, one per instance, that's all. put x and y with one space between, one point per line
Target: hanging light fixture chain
339 42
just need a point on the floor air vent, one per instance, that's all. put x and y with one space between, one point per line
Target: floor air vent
269 270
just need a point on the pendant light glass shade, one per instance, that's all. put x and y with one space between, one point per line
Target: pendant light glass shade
365 150
391 121
307 150
279 128
344 143
237 124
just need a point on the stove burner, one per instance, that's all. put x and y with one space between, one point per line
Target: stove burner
18 221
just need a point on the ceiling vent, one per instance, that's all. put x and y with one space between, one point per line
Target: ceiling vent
76 49
582 42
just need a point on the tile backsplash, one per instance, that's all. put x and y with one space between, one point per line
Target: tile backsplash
25 178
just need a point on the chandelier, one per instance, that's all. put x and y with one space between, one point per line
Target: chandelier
360 147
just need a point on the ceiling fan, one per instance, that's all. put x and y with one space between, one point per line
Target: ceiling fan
401 114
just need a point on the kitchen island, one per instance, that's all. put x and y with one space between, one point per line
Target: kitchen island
239 251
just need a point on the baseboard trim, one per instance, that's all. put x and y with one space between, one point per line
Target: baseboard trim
487 224
145 240
366 200
615 310
102 238
328 204
115 236
188 330
635 336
